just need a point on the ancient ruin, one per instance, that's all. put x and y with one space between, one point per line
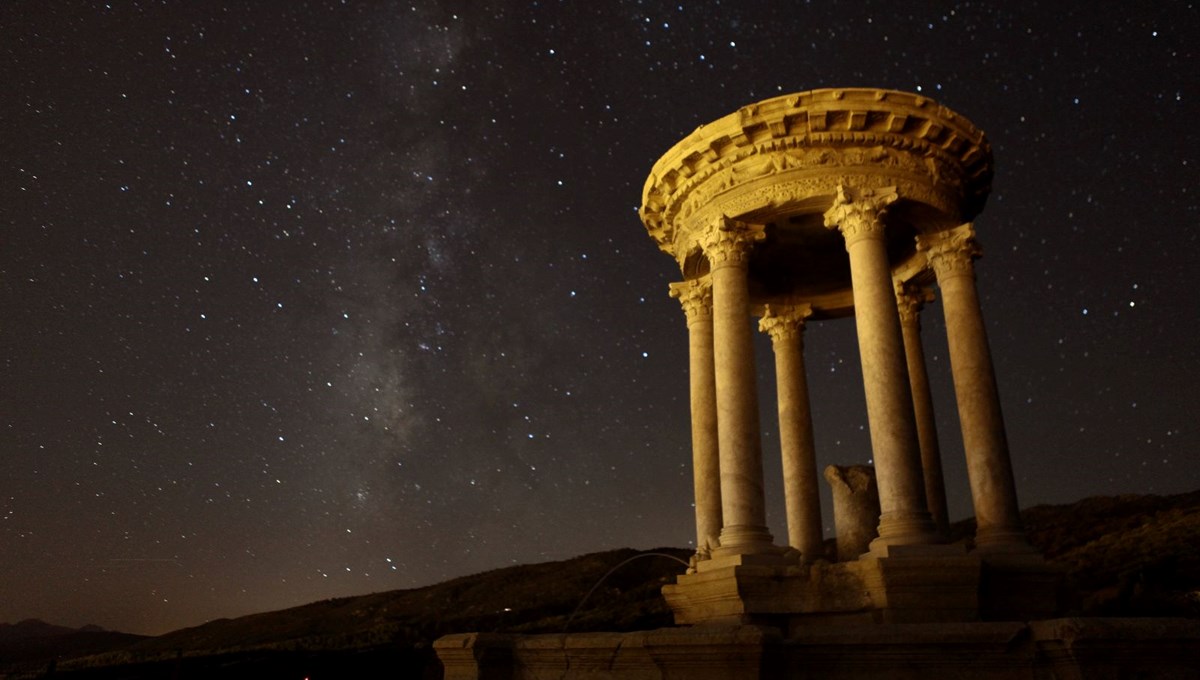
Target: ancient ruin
817 206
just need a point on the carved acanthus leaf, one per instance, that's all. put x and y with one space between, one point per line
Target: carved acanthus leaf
951 252
730 241
858 213
784 322
911 299
696 298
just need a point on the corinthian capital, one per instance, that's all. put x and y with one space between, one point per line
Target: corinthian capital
910 299
784 322
730 241
950 252
858 213
696 298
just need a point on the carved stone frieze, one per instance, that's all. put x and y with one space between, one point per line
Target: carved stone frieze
795 189
816 170
923 145
774 195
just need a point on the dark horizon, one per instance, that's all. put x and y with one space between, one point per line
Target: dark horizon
309 300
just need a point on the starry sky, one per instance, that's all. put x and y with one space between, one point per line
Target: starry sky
310 299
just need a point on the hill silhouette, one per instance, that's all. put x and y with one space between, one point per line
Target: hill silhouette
1130 555
36 641
401 624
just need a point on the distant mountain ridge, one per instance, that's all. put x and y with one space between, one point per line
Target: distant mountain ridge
33 640
34 628
1130 555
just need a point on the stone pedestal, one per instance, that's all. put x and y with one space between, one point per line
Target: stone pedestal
922 584
904 584
735 589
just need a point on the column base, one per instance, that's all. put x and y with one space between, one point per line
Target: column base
1001 540
908 528
735 589
779 558
745 539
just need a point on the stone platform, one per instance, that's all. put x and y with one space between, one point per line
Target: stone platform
893 584
1063 649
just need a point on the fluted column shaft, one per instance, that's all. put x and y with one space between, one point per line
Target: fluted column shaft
989 468
904 519
786 327
727 248
910 299
696 298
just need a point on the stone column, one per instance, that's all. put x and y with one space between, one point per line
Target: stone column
696 298
855 508
910 298
785 325
858 214
989 469
727 247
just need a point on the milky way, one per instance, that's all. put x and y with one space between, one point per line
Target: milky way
311 299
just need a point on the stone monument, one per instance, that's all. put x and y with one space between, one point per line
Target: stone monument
801 210
814 207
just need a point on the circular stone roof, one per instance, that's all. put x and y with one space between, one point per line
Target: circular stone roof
783 158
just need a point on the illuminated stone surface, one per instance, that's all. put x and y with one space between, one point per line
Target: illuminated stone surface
855 508
808 208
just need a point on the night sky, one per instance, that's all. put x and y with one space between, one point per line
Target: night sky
311 299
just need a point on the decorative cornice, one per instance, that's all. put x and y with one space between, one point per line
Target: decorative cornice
950 253
784 322
696 298
858 213
820 131
729 242
806 169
